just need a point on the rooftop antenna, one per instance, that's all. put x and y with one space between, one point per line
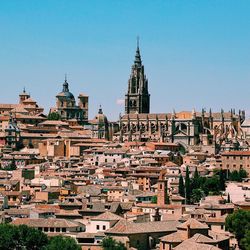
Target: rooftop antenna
65 77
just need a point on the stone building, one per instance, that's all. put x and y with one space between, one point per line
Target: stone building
26 106
188 128
137 99
67 108
99 126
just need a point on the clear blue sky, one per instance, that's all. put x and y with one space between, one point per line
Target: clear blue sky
196 53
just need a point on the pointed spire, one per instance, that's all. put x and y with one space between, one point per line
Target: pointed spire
24 90
137 54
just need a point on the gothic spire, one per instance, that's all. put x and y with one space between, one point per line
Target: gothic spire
138 61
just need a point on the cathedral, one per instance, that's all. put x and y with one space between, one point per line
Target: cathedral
137 99
189 128
67 108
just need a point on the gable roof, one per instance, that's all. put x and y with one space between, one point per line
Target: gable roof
107 216
193 224
124 227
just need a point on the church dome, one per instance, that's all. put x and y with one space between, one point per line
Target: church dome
100 118
66 94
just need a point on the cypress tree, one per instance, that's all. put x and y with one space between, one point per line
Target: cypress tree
222 180
167 201
187 186
196 180
181 186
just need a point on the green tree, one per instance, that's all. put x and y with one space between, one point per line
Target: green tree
242 174
195 183
61 242
181 186
211 185
187 187
239 224
154 199
54 116
197 195
31 238
222 180
234 176
167 201
245 242
109 243
21 238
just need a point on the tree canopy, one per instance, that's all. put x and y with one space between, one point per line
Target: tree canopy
239 224
26 238
61 242
21 237
109 243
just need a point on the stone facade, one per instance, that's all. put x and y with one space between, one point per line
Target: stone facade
186 128
67 108
137 99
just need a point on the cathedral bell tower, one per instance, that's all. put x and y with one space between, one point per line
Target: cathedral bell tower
137 99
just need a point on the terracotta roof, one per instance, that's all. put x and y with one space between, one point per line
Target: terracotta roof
124 227
107 216
190 244
193 224
44 222
200 238
236 153
176 237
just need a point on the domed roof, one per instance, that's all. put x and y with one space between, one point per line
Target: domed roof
65 92
100 117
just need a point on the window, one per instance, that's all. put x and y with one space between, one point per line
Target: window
97 227
46 229
58 229
103 227
52 229
64 229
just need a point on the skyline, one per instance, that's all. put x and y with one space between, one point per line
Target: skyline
193 57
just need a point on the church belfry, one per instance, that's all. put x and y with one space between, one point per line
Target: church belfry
137 99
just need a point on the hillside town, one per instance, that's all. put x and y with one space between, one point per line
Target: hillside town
145 181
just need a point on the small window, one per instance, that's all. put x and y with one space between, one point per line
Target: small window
64 229
58 229
97 227
46 229
103 227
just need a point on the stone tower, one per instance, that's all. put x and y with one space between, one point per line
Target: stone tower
137 99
